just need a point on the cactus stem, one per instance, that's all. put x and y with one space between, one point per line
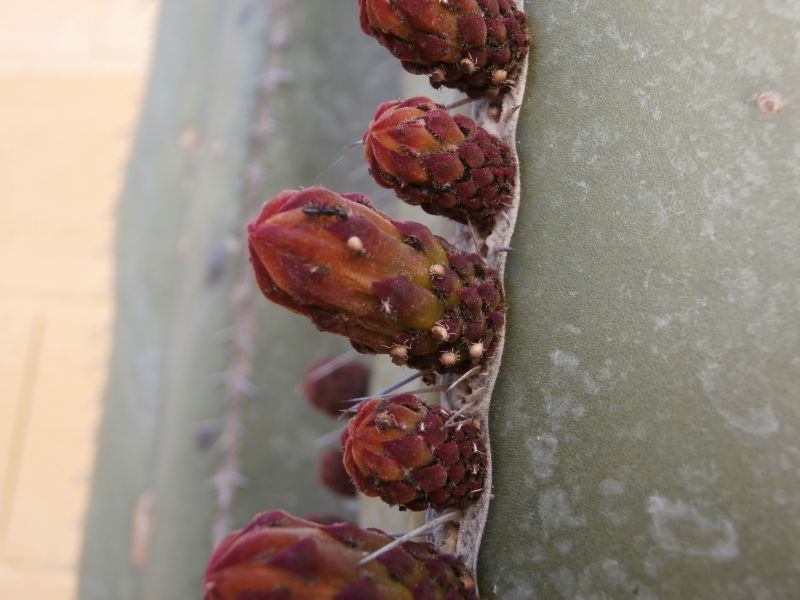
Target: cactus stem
453 515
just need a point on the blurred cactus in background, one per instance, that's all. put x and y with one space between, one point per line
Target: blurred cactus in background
203 423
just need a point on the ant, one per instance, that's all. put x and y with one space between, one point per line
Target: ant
325 211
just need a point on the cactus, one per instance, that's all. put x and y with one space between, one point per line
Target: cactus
444 163
283 557
645 420
476 46
189 445
646 393
391 287
414 455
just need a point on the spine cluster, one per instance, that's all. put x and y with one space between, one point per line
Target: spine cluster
280 557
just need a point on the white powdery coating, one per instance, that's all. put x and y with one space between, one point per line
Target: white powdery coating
683 529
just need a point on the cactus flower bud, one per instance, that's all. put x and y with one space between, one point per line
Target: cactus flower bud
281 557
330 389
333 475
476 46
444 163
389 295
407 453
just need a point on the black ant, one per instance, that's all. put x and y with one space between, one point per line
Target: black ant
325 211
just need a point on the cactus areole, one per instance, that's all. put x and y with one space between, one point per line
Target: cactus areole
280 557
392 287
444 163
476 46
415 455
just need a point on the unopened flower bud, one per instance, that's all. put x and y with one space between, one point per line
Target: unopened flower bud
444 163
281 557
459 43
385 300
406 452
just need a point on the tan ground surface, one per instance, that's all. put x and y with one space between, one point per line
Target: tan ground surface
71 75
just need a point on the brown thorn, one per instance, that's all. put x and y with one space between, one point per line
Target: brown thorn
474 236
461 102
464 377
441 520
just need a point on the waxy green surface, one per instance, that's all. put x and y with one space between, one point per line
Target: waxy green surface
646 422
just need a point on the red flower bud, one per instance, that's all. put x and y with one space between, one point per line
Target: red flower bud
407 453
392 292
444 163
330 389
280 557
333 475
476 46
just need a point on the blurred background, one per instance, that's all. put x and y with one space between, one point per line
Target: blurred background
72 74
